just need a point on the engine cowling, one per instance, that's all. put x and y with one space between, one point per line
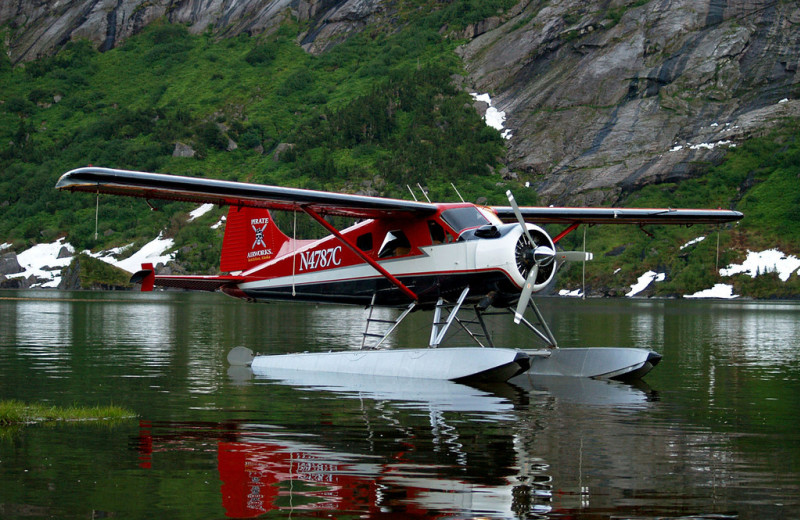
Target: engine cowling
541 252
515 255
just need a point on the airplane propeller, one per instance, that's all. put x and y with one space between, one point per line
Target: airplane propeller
530 258
518 214
542 256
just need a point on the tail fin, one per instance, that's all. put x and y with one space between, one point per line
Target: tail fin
251 237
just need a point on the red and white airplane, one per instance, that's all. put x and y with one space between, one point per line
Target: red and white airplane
419 255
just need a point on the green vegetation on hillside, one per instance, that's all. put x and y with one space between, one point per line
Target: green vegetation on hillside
759 178
377 112
96 274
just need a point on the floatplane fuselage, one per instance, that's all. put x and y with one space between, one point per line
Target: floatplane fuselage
447 257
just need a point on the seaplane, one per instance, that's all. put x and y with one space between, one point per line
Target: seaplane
460 260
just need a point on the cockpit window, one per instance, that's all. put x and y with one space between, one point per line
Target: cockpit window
464 218
395 244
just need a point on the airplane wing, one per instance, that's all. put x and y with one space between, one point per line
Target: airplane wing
194 189
554 215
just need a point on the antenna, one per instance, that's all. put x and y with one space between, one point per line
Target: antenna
412 192
423 192
457 192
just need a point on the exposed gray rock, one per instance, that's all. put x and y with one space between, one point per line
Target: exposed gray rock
70 277
598 107
40 27
280 149
14 283
9 264
183 150
334 20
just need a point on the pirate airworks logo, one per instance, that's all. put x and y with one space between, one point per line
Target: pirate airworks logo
259 249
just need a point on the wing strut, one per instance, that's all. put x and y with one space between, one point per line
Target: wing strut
566 232
386 274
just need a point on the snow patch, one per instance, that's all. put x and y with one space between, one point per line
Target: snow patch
644 282
42 262
711 146
493 117
154 252
706 146
692 242
720 290
219 223
769 261
199 212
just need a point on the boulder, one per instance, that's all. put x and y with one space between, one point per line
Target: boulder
183 150
9 264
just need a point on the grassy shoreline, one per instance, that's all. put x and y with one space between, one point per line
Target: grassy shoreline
16 412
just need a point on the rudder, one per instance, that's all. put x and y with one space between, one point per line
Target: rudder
251 238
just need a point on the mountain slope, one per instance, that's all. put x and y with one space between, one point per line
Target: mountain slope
605 97
626 102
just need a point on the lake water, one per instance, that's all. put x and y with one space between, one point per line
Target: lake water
712 432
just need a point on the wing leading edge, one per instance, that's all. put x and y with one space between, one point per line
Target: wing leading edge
200 190
554 215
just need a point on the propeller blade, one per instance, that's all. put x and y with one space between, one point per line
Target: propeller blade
574 256
515 208
525 295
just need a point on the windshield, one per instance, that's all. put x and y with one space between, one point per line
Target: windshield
464 218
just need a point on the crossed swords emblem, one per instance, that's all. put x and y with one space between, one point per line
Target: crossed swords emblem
259 236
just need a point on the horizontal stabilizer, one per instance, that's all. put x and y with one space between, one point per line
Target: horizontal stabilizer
148 279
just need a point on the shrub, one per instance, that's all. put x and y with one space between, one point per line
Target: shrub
262 54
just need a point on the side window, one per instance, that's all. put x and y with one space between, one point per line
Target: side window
437 232
395 244
364 242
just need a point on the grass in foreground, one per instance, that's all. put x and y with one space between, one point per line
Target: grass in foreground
15 412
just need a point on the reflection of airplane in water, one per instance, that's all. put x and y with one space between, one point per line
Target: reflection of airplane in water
265 468
417 449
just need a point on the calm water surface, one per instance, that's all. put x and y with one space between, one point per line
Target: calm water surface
711 433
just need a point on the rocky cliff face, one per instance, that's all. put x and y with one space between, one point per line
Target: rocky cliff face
40 27
602 97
